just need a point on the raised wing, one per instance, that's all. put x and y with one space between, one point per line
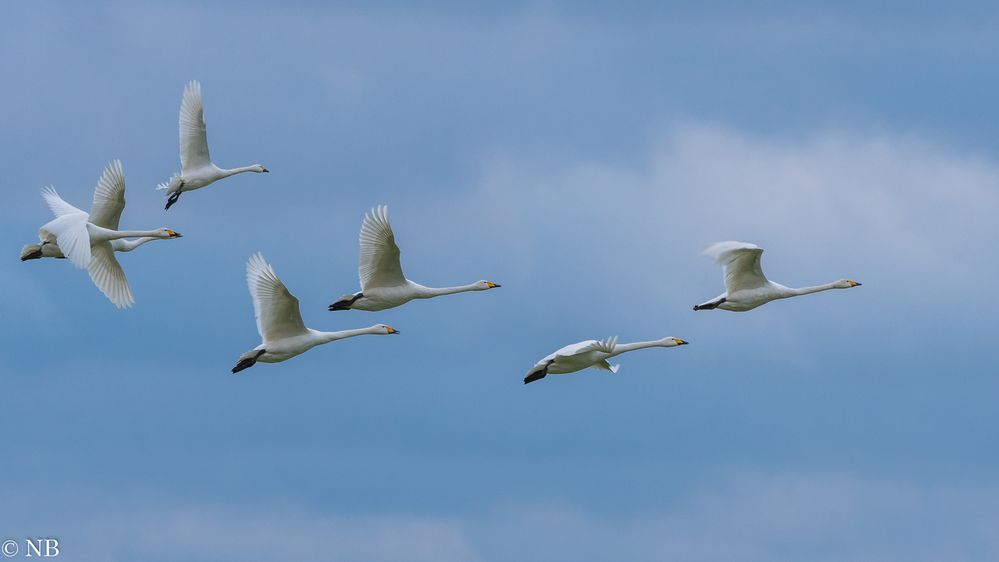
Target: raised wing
276 309
193 134
379 265
58 206
109 197
107 274
742 265
606 346
68 229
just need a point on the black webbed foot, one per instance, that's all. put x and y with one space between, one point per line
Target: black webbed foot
172 199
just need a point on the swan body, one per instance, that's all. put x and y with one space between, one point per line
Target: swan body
590 353
197 169
89 241
279 320
745 285
383 284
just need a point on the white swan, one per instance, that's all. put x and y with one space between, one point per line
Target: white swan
196 167
590 353
88 241
745 285
382 283
52 250
279 320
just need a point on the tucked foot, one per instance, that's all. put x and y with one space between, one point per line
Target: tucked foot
37 254
172 199
247 362
709 306
345 304
537 375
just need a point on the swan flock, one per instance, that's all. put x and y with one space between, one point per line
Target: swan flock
91 241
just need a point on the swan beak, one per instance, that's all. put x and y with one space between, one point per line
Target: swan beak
492 285
266 171
855 284
174 234
680 342
391 330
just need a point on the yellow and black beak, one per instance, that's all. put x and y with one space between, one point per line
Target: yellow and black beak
680 342
492 285
174 234
391 330
855 284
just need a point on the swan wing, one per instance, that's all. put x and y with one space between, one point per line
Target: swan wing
276 309
606 346
379 265
57 204
109 197
107 274
193 133
742 265
71 234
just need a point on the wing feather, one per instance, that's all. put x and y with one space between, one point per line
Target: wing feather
276 309
57 204
109 197
742 265
193 133
70 232
379 264
107 274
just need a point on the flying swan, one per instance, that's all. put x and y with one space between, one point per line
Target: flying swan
279 320
90 241
196 167
590 353
745 285
382 283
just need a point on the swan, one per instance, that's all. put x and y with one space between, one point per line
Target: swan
590 353
745 285
279 320
89 241
382 283
196 167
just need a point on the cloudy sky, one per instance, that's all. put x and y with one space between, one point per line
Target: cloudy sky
581 154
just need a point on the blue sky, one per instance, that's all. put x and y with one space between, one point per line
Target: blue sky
580 154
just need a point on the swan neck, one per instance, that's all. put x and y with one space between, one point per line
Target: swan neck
119 234
626 347
233 171
129 245
810 290
326 337
438 291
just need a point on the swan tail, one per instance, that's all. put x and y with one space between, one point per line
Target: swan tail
173 185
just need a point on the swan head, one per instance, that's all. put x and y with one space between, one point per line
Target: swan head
383 329
259 168
847 283
486 285
168 233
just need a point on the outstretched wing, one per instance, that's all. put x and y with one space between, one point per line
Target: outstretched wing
379 265
276 309
193 133
57 204
109 197
107 274
742 265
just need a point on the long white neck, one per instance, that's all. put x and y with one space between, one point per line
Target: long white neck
233 171
326 337
428 292
626 347
809 290
100 233
129 245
